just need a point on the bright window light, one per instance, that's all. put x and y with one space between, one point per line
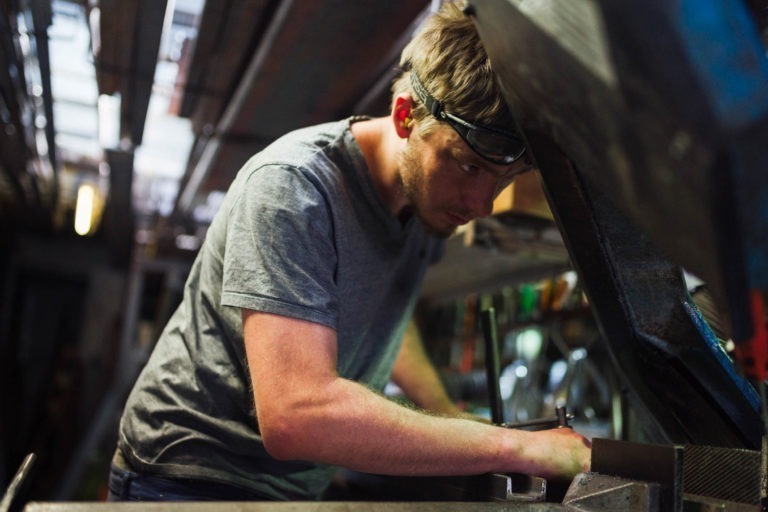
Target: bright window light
84 209
109 120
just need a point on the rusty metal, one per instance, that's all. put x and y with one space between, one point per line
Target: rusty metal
594 492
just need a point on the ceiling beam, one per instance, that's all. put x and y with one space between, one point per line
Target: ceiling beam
314 62
130 34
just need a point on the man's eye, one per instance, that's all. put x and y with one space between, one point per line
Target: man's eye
469 168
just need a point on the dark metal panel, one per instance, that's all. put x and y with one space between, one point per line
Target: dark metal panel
605 141
675 114
682 385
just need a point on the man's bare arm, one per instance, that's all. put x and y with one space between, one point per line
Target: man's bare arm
415 374
306 411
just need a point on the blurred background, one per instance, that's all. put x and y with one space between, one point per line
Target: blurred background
123 123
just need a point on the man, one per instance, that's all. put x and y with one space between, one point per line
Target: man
296 311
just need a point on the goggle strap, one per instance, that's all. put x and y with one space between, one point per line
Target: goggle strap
434 106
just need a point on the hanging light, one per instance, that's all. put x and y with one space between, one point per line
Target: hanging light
84 209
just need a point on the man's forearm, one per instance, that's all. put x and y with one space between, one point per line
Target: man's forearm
306 411
415 374
358 429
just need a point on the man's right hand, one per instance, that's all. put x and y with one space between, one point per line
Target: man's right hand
559 453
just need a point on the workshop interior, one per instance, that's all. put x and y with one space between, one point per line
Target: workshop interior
618 288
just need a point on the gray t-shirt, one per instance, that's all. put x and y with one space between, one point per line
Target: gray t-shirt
304 234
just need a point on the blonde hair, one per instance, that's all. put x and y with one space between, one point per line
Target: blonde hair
450 60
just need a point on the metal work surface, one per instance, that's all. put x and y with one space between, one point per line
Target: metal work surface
627 487
295 507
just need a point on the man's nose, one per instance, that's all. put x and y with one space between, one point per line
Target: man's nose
478 198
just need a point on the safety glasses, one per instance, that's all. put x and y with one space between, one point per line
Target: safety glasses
498 146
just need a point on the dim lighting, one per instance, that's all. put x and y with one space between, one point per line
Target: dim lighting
84 209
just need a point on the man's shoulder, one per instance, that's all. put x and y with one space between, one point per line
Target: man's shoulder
306 142
313 151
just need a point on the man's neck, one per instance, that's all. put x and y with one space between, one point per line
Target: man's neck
380 146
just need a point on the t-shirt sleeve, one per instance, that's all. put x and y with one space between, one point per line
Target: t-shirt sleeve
280 256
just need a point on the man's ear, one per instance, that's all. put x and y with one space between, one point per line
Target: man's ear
401 115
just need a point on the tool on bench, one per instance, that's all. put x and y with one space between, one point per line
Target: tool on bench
560 420
492 370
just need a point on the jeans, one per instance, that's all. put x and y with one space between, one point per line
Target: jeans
125 485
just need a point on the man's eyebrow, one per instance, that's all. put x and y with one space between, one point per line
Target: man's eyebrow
458 151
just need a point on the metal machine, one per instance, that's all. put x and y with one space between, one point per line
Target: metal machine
648 121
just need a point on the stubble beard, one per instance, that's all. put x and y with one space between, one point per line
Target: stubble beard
412 182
